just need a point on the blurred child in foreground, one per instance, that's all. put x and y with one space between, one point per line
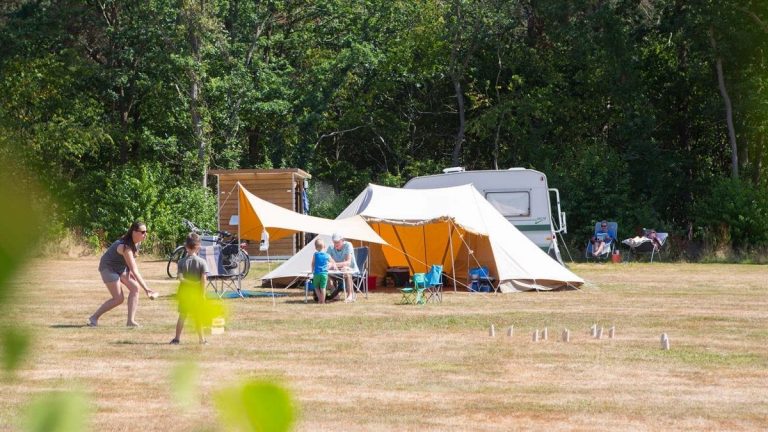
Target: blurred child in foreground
191 295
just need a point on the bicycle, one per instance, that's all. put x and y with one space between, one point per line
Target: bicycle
234 256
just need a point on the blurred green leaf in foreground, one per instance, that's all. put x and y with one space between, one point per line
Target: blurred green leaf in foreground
256 406
15 344
57 412
19 224
19 233
184 384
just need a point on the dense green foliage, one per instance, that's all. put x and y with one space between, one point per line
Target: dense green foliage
121 107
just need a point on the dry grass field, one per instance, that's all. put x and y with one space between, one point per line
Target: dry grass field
375 365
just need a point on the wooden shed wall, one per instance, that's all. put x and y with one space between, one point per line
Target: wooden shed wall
279 188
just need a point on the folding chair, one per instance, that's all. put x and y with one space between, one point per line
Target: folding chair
360 278
607 236
434 281
651 243
219 277
415 294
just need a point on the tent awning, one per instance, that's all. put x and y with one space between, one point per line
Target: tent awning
257 215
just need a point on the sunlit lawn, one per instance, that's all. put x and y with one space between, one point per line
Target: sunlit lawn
378 365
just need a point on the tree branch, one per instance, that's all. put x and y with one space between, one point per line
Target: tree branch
755 18
335 133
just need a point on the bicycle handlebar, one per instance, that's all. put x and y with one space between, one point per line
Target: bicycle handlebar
191 226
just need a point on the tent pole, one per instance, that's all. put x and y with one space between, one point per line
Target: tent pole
402 248
238 213
447 244
271 282
453 263
424 236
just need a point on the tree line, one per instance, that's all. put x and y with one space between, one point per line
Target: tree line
650 112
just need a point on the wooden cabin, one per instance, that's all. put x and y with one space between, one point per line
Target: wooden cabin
283 187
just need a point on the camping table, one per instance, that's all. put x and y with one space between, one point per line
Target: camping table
332 274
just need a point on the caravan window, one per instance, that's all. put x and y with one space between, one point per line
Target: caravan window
511 203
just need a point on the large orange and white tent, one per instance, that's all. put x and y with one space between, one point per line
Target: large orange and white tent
455 226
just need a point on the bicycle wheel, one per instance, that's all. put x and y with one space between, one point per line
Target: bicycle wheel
173 260
243 263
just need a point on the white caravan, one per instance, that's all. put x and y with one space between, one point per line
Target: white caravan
520 194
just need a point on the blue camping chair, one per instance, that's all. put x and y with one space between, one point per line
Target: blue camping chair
434 291
606 237
360 278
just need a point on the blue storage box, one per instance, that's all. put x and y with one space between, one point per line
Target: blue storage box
480 279
478 273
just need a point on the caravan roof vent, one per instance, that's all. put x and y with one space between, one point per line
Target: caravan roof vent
453 170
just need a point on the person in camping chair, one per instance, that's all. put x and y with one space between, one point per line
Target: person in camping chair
651 235
601 240
343 259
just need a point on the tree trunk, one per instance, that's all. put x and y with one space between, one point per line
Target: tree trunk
125 145
728 108
195 88
254 149
757 157
197 125
455 159
500 118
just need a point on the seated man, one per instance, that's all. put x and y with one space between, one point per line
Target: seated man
601 240
343 255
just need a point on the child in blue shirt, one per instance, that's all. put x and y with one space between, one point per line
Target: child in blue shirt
321 261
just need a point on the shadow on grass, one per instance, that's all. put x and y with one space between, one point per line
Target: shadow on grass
310 301
127 342
68 326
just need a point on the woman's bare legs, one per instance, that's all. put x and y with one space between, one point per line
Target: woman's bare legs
116 300
133 298
179 326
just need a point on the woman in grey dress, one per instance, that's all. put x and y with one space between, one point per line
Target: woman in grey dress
118 266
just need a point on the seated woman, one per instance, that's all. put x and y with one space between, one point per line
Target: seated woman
651 235
601 240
